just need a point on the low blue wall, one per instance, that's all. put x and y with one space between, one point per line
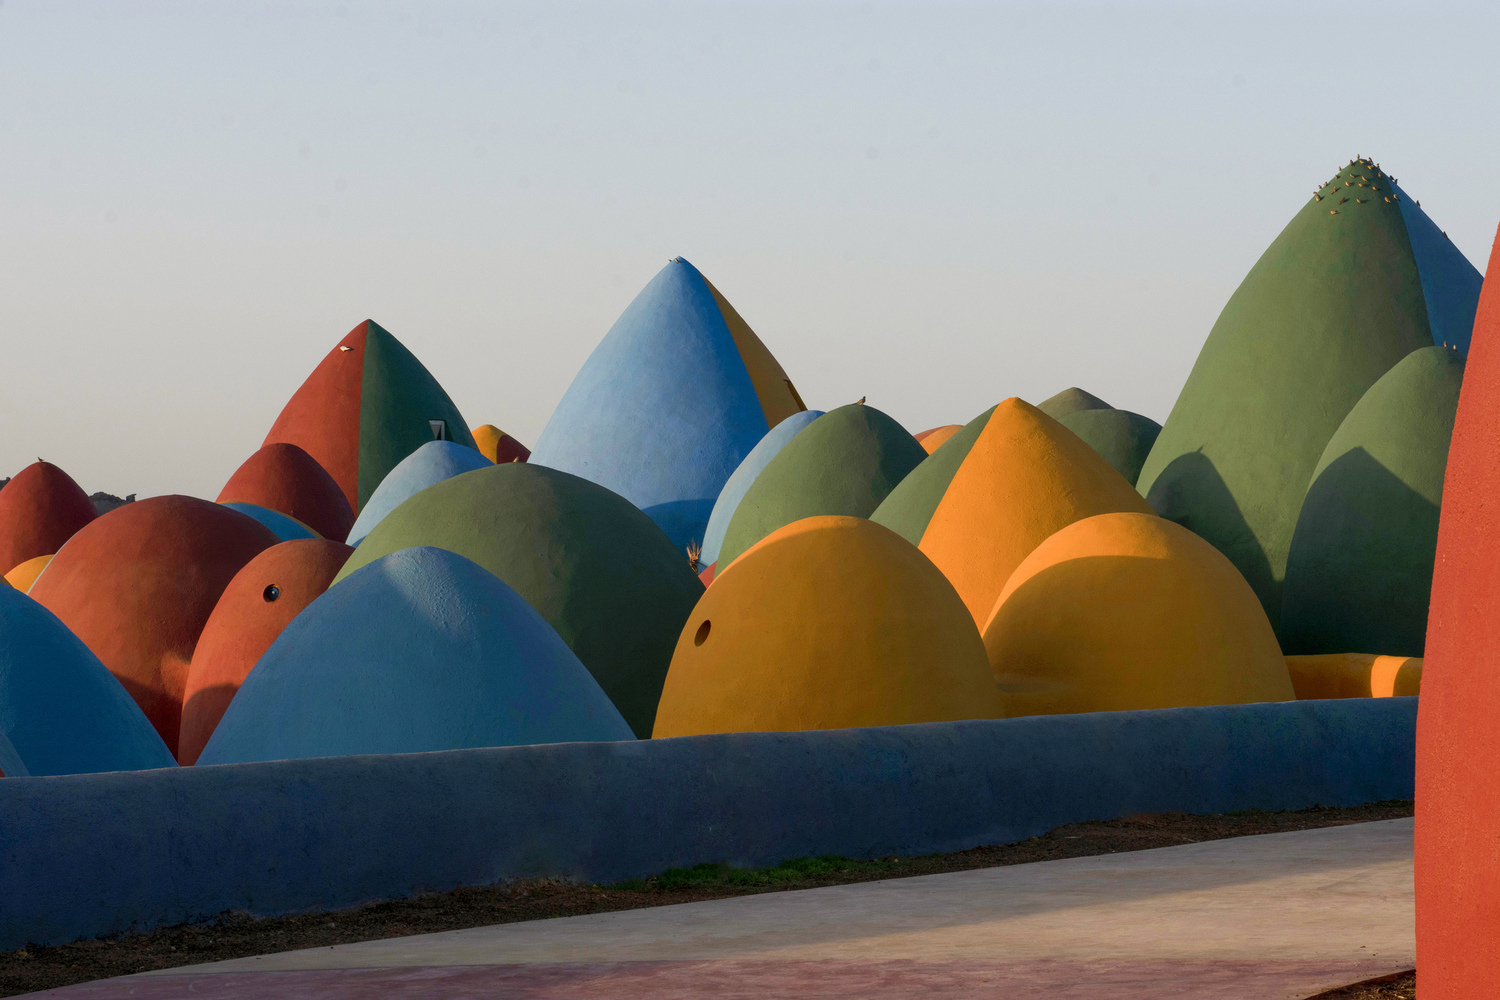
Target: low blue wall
97 854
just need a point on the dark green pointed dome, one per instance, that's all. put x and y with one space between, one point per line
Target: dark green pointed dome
597 569
845 462
1070 401
1354 283
1359 573
910 506
1122 438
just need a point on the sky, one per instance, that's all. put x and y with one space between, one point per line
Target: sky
936 206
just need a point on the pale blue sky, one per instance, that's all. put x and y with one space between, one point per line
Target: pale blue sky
936 206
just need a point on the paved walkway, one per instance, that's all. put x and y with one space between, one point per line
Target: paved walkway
1285 915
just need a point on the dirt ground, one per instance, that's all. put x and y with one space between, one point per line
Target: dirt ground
1402 986
236 935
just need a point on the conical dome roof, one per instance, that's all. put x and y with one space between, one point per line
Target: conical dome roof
828 623
1357 280
669 403
40 508
286 479
432 463
1129 611
1458 755
367 405
264 596
1359 571
845 462
421 650
1122 438
739 483
137 585
592 565
1070 401
60 709
996 491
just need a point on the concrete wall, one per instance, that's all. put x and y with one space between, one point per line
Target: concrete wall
88 855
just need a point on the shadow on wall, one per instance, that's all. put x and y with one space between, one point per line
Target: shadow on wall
1192 483
1359 575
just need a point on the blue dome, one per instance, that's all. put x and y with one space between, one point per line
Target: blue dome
419 650
61 709
734 490
432 463
669 403
285 527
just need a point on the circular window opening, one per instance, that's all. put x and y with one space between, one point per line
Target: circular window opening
702 632
271 593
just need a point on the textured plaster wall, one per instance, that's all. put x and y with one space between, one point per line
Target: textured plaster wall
88 855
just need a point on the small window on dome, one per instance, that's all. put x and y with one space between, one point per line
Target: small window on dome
439 429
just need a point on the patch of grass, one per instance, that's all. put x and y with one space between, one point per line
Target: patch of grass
792 870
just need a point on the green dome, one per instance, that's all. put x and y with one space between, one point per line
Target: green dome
1071 401
1122 438
845 462
1357 280
910 506
597 569
1359 573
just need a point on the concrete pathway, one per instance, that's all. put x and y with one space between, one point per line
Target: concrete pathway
1284 915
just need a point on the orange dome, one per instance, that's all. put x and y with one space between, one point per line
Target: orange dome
1130 611
1026 477
826 623
268 592
932 440
24 575
138 584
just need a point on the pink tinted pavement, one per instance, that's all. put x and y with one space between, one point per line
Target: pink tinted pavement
1278 916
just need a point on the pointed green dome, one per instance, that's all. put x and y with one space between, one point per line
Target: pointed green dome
910 506
596 568
1359 573
1357 280
1123 439
845 462
1071 401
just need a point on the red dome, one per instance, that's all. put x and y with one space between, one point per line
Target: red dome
1458 753
39 510
268 592
283 477
138 584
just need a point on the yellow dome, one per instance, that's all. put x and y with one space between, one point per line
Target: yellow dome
1026 477
1128 611
828 622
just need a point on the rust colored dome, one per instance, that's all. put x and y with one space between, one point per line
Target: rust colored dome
39 510
138 584
270 591
283 477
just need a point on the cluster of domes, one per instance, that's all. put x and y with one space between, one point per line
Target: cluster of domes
689 549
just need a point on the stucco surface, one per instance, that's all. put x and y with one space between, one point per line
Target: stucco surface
1130 611
60 710
866 632
271 590
284 478
432 463
84 853
137 586
1458 743
596 568
420 650
40 509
